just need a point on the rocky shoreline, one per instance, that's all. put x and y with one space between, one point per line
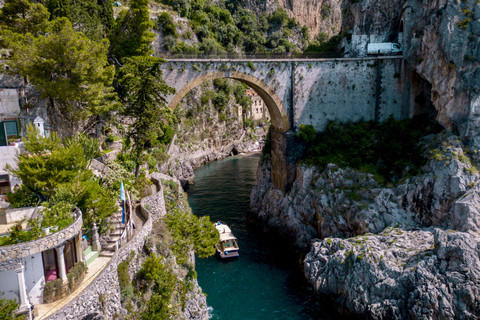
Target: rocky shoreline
404 252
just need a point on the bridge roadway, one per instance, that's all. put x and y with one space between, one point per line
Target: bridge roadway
273 59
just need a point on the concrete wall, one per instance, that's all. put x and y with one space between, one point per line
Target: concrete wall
346 90
16 214
309 92
9 106
34 277
9 286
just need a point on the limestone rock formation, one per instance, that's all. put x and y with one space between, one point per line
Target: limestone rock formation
400 274
409 252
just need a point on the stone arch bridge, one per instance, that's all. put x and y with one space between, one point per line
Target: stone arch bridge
304 91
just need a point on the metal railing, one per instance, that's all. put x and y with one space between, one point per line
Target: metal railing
246 56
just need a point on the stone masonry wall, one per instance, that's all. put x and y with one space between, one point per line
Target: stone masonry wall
10 256
102 296
318 90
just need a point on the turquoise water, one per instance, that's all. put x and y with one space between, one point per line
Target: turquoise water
265 281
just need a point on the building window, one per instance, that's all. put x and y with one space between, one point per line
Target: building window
8 129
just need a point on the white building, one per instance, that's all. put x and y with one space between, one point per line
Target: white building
259 109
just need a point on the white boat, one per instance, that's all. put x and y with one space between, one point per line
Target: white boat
227 247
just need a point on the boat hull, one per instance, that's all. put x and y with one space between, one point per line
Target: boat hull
230 254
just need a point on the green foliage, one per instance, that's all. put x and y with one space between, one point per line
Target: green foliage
151 268
76 275
23 16
52 289
326 10
306 133
18 234
463 24
144 92
325 44
165 283
44 170
220 100
167 24
58 8
131 35
227 28
191 232
57 215
93 17
90 146
126 288
8 308
68 69
388 148
58 173
22 197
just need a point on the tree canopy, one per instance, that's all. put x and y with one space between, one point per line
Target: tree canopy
57 171
68 68
143 93
23 16
131 35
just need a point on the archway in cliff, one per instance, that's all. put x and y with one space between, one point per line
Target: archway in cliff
279 117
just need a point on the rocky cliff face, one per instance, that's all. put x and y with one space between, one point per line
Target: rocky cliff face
441 46
444 49
400 274
381 255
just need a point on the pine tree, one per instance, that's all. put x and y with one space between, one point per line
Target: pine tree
23 16
58 8
131 35
144 91
69 70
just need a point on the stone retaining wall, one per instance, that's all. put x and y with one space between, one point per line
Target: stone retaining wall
102 296
10 256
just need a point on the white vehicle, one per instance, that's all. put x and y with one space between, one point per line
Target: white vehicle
386 48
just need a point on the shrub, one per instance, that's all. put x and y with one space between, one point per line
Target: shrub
53 290
220 100
385 149
126 288
76 275
167 24
8 310
306 133
22 197
151 268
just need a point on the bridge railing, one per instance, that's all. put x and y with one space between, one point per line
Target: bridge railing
255 56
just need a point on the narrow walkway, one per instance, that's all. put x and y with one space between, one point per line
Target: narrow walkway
45 310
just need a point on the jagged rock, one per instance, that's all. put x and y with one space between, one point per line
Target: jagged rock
400 274
449 174
335 202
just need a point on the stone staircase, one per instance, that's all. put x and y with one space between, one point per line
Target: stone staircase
90 255
117 229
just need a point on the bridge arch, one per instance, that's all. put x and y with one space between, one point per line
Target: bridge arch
278 115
